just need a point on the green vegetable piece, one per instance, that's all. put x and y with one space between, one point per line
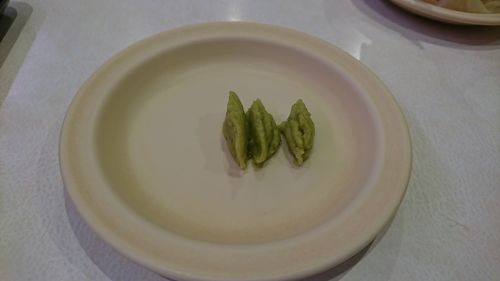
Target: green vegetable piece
235 130
299 132
265 138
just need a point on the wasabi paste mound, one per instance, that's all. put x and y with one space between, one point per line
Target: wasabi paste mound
299 132
255 135
265 138
235 130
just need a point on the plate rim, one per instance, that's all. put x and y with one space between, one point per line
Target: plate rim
445 15
70 182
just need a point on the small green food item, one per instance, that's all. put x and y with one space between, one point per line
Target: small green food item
299 131
265 138
235 130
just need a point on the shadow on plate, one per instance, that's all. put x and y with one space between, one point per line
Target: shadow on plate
119 268
416 28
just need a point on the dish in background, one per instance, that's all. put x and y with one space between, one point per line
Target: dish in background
438 13
3 6
469 6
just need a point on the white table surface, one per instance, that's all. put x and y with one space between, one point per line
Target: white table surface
446 79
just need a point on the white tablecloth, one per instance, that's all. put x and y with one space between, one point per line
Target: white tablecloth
446 79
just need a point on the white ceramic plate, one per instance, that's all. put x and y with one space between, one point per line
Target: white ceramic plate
143 157
447 15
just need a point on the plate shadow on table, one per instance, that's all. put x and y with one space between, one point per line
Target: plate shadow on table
337 273
114 265
119 268
419 29
12 22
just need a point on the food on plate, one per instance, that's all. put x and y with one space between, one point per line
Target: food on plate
265 138
235 130
471 6
299 132
255 135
